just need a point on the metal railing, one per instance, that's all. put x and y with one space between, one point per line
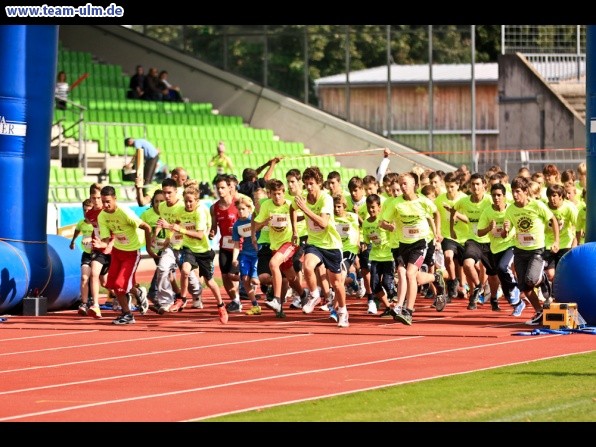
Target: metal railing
79 113
106 139
559 67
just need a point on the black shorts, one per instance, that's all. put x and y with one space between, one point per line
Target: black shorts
552 259
529 267
480 252
413 253
225 262
103 259
86 259
202 261
263 257
455 247
429 259
363 258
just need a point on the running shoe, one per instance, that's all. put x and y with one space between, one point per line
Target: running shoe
333 315
234 307
494 305
536 319
197 303
296 302
386 313
269 293
404 317
311 304
452 285
515 297
372 307
254 310
274 304
83 309
164 309
353 286
440 302
546 287
124 319
94 312
343 319
474 298
361 289
142 300
223 314
517 310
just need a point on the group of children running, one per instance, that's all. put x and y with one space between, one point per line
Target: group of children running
390 238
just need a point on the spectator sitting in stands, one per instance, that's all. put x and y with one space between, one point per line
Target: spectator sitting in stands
250 177
170 92
151 86
61 91
136 84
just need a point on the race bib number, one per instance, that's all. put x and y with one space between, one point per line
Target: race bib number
343 229
279 220
244 230
227 242
177 238
411 232
526 239
159 244
375 238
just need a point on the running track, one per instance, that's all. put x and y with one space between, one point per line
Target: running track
186 366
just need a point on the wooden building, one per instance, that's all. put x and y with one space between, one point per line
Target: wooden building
406 117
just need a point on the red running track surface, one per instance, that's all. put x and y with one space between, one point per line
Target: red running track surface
186 366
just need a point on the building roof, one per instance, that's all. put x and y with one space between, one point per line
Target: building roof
417 74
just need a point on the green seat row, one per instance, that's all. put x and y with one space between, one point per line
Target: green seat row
137 105
66 176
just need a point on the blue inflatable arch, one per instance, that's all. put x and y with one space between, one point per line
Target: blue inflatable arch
31 261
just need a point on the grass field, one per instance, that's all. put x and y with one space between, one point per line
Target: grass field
555 390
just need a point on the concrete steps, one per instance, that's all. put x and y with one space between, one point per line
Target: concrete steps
574 93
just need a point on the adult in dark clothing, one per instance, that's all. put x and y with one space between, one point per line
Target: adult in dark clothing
152 89
250 177
137 84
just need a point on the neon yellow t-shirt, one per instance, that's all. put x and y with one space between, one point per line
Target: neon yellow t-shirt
379 240
530 224
498 243
386 211
566 215
301 224
328 237
411 218
196 220
170 215
86 231
441 201
280 227
473 210
124 225
348 229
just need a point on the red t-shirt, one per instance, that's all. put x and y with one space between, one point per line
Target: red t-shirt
225 219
